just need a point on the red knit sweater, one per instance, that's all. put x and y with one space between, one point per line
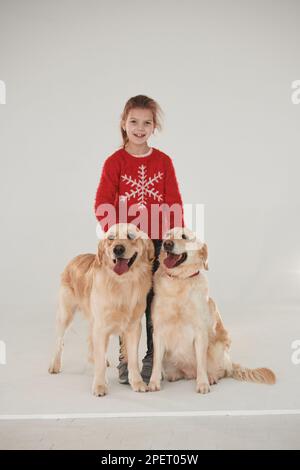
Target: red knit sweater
140 190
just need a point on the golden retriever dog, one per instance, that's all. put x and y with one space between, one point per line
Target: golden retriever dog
110 288
190 341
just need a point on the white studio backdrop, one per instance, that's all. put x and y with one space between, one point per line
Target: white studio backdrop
222 71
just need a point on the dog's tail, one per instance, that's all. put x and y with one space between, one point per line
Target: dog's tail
261 375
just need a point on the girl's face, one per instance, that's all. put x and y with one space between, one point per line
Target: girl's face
139 125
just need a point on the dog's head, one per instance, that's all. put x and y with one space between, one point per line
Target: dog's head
182 254
124 248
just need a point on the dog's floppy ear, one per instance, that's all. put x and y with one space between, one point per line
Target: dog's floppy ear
99 254
150 249
203 252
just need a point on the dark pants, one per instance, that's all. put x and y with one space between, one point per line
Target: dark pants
150 295
149 326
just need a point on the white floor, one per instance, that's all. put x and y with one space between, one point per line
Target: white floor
154 433
39 411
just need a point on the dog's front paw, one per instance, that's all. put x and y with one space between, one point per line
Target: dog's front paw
154 386
174 376
139 386
99 390
55 367
213 379
203 387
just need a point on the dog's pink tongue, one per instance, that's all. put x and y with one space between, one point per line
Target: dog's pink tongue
171 260
121 266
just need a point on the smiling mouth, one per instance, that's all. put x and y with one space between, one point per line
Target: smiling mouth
139 136
172 260
122 265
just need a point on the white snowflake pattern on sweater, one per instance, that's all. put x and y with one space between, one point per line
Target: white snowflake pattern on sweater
142 187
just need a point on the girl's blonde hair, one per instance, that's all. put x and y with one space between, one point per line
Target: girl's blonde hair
144 102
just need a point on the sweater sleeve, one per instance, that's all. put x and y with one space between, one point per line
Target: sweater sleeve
108 189
172 195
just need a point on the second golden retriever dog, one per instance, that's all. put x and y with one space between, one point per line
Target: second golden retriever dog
110 288
190 341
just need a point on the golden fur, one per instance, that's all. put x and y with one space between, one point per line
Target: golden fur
190 341
112 303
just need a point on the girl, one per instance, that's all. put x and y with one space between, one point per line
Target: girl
140 177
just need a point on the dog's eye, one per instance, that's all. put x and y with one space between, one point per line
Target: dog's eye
130 236
184 236
111 236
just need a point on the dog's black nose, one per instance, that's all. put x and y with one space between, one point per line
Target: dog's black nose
119 250
168 245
